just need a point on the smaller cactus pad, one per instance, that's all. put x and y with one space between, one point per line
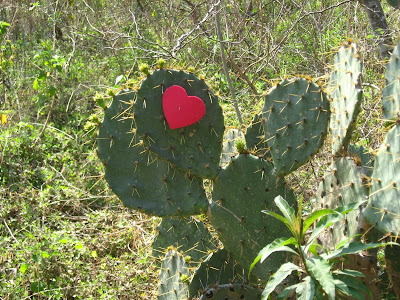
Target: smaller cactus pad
343 184
296 115
255 139
138 178
219 268
195 148
346 93
232 291
174 277
188 235
391 91
241 191
383 210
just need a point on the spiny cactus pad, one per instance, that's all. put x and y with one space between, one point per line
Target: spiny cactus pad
234 291
219 268
391 91
241 191
231 137
346 93
187 235
136 176
343 184
362 157
296 115
195 148
174 277
255 139
383 210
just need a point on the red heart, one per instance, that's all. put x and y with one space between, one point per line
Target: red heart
181 110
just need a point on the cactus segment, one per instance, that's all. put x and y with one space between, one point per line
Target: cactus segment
394 3
229 145
296 115
383 210
188 235
345 91
219 268
391 91
255 141
361 157
241 191
343 184
174 277
232 291
133 173
196 148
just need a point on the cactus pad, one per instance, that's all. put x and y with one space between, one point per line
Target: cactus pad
219 268
296 115
241 191
391 91
346 93
255 140
195 148
344 183
232 291
383 210
188 235
174 277
133 173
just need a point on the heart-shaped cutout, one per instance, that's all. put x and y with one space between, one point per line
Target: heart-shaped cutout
181 110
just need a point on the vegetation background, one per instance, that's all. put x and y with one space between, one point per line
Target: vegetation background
63 234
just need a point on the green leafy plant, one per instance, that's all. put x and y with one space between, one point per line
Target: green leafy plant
317 267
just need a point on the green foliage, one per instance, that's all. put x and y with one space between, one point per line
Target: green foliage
318 272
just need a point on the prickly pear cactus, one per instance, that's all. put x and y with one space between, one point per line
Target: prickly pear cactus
174 277
296 115
241 191
196 148
232 136
133 172
219 268
391 91
346 93
383 210
343 184
255 139
232 291
362 158
188 235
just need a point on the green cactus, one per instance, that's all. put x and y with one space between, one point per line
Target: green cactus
232 291
296 115
174 277
346 93
241 191
255 140
187 235
196 148
219 268
362 157
383 210
391 91
343 184
394 3
133 172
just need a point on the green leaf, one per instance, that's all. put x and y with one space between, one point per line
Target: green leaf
23 268
284 271
285 208
286 292
306 289
320 269
355 286
277 245
315 216
280 218
35 84
119 79
354 247
340 285
348 272
52 91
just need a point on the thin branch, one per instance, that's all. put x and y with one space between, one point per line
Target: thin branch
225 67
